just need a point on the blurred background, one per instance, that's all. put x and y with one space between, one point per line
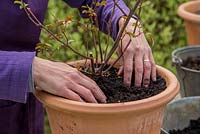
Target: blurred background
159 17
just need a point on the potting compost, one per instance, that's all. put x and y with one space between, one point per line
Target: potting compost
193 63
193 128
115 91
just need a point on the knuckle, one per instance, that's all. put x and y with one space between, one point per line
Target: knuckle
153 63
74 75
138 48
127 80
139 70
149 50
147 66
129 49
88 93
60 88
63 92
128 69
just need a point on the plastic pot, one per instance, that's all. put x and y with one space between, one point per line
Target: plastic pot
179 113
136 117
189 79
190 12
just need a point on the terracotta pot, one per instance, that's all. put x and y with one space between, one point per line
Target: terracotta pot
136 117
190 12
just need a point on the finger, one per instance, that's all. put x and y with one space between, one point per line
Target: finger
85 93
121 68
120 61
69 94
153 67
147 70
128 67
93 87
138 69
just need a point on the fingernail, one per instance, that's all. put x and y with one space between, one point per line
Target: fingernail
82 100
154 79
104 99
146 86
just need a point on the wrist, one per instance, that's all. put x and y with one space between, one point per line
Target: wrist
36 69
131 25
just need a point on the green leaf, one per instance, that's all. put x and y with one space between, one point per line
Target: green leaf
17 2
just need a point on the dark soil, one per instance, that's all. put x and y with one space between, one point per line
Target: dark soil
115 91
193 128
193 63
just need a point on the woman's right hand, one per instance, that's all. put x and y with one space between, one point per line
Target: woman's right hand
63 80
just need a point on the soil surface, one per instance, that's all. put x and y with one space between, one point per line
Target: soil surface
193 63
115 91
193 128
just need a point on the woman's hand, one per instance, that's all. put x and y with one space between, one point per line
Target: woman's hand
62 80
138 57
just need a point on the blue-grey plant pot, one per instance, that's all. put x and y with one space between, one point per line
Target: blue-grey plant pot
179 113
189 79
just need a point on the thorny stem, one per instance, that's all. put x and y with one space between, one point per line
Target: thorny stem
106 58
140 8
92 62
95 44
86 47
34 19
98 34
122 52
116 4
120 34
109 26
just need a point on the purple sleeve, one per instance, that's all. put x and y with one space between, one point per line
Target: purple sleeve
104 13
14 74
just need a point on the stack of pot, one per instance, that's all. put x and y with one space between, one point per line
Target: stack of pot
181 111
189 78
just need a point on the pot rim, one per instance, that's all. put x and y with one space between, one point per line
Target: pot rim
185 99
187 15
158 100
186 49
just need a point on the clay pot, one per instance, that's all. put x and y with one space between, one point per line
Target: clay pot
136 117
190 12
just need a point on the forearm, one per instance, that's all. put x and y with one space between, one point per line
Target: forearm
15 68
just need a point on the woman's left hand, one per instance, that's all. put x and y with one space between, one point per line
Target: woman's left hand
138 57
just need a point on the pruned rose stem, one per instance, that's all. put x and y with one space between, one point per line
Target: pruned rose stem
109 27
122 51
104 57
120 34
34 19
92 63
120 56
98 33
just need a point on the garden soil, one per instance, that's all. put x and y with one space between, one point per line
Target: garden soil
193 128
115 91
193 63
